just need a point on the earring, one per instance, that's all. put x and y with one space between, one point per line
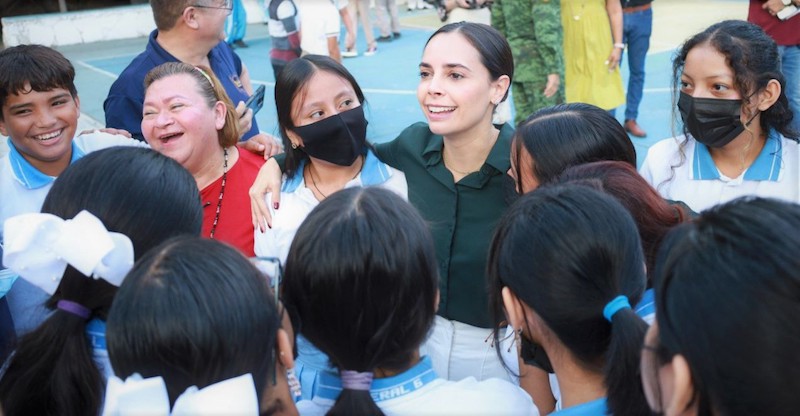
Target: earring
517 336
294 383
294 145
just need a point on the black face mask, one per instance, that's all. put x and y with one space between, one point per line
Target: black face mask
712 121
338 139
533 354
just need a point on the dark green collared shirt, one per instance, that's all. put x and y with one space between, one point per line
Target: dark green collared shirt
462 215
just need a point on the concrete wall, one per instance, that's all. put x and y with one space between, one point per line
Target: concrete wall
58 29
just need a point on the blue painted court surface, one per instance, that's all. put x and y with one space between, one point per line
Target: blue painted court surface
389 79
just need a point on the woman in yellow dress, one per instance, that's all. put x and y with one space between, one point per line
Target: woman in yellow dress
592 50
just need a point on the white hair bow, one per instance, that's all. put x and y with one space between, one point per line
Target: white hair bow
38 247
138 396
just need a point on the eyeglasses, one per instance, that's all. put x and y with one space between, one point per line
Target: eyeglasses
228 7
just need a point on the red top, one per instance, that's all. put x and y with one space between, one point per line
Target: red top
235 224
785 32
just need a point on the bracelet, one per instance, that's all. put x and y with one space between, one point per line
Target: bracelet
619 46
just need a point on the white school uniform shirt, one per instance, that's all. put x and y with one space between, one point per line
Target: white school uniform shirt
23 187
297 201
419 391
697 182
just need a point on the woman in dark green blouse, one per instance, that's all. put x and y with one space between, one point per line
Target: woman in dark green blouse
455 166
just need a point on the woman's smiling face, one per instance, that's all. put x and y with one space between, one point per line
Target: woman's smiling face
455 91
178 122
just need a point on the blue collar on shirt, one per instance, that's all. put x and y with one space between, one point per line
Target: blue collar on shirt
594 408
647 305
329 385
374 172
29 176
96 332
766 167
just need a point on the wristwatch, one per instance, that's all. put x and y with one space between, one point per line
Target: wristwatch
622 45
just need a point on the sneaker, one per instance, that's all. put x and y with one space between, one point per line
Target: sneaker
349 53
372 50
633 128
387 38
396 35
424 6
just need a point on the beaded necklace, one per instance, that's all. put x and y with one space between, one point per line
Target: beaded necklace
221 193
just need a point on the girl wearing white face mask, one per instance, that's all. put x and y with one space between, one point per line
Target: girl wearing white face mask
737 140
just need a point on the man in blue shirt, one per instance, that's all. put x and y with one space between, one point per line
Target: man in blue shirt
190 31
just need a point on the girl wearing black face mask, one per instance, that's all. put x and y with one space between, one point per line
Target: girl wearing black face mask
735 117
322 123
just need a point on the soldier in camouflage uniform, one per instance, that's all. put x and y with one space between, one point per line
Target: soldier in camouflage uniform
533 29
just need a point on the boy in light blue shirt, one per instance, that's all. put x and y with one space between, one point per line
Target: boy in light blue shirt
39 110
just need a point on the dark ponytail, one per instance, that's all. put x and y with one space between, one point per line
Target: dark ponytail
622 371
354 402
361 282
52 371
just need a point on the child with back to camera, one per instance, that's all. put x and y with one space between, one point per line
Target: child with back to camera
725 339
572 316
654 216
554 138
106 210
195 330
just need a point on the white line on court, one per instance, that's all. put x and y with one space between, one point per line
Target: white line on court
96 69
667 89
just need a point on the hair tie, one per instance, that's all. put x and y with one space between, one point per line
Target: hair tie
353 380
205 75
618 303
74 308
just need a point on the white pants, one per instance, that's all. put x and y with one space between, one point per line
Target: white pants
459 350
